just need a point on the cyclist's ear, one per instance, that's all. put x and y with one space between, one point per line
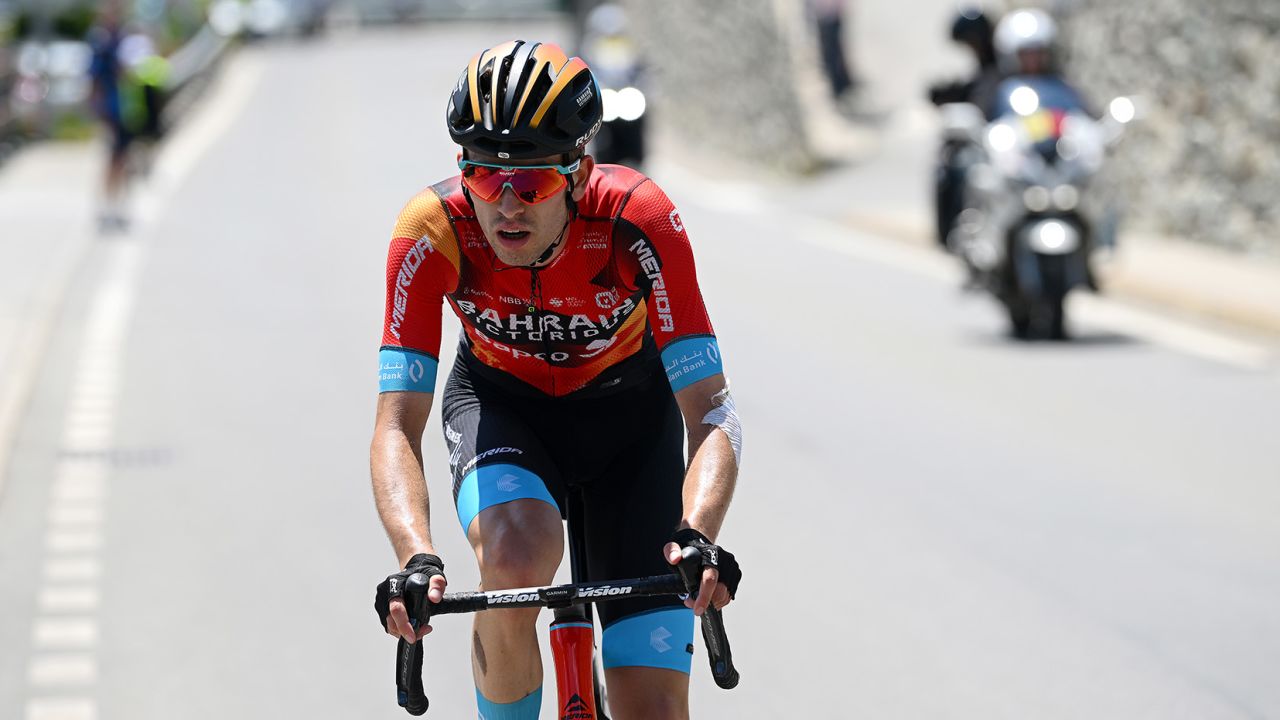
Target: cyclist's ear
581 176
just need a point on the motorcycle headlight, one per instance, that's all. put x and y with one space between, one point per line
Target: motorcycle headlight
631 104
1065 197
1036 198
609 97
1053 237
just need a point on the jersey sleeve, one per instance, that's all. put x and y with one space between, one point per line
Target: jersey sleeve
422 266
677 314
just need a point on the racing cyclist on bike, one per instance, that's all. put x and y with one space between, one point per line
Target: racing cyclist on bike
587 359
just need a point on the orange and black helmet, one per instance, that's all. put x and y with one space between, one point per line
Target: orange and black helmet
525 100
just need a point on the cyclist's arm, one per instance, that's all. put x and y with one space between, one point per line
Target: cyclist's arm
691 356
400 492
713 469
422 265
395 461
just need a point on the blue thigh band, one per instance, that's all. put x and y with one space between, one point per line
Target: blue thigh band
492 485
661 638
526 708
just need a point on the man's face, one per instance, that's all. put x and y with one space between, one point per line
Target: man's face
519 233
1034 61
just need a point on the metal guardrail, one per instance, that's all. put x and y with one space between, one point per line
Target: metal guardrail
197 56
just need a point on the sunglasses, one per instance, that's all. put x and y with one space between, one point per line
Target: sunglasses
531 183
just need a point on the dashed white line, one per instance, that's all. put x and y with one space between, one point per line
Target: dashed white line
56 599
72 569
66 515
64 633
62 669
61 709
78 541
81 488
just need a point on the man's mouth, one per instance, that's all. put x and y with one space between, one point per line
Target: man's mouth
513 237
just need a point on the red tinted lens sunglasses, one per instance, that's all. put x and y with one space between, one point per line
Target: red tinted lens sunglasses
531 183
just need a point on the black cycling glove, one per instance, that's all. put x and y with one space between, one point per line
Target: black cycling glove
393 586
712 556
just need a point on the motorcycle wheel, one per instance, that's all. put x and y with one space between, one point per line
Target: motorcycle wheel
1055 318
1019 320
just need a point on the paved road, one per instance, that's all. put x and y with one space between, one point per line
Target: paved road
954 525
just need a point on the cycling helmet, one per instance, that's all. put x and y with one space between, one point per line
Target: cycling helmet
971 25
1021 31
525 100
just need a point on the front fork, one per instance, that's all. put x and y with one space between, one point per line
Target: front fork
573 650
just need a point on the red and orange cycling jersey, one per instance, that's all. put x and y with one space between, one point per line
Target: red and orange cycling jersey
621 292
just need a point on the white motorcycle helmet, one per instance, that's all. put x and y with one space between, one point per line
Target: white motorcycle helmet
1024 31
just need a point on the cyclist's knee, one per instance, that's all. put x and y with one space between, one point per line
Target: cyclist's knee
518 544
642 693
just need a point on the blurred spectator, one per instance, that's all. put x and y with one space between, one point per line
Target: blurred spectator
127 76
829 15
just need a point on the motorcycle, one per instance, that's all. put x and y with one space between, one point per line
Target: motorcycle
1030 221
615 61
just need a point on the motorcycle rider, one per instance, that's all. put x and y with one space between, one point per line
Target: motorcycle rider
607 44
1024 44
973 29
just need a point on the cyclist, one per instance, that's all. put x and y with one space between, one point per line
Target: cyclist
586 359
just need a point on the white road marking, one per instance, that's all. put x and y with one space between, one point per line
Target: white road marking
84 487
77 598
1180 336
62 669
64 633
80 477
67 515
78 541
69 569
61 709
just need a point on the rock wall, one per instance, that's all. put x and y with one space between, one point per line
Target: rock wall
724 76
1203 162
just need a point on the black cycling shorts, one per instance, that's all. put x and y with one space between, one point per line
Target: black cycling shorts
623 451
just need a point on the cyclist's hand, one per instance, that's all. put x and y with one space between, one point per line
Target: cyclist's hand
720 572
389 601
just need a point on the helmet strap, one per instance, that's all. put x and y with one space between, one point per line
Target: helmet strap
551 249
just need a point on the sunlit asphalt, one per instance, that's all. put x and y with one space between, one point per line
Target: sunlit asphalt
934 521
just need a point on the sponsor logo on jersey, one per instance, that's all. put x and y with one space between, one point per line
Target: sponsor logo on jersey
490 453
652 268
413 260
594 241
548 326
607 298
674 217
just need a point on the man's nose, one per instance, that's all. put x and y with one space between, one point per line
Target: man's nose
509 204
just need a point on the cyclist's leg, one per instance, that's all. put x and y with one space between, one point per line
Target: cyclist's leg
501 476
630 514
517 544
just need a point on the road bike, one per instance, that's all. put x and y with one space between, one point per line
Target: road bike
579 690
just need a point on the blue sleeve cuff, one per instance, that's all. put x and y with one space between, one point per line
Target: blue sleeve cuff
403 369
691 359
